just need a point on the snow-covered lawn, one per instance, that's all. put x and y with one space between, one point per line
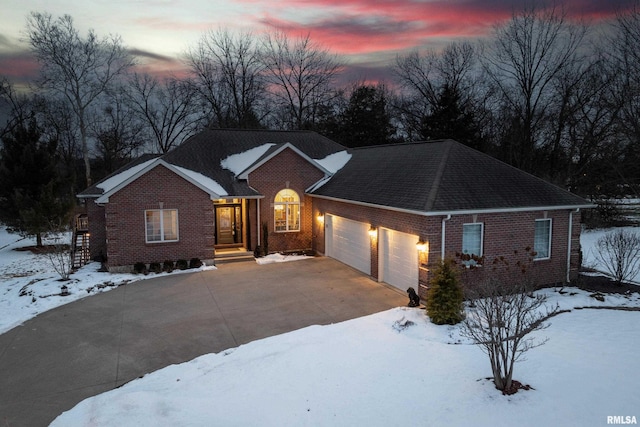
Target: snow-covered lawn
29 285
588 240
373 372
388 369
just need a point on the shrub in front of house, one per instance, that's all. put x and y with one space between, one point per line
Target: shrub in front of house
182 264
265 238
444 296
155 267
140 268
167 266
195 263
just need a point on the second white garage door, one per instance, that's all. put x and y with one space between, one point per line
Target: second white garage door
398 259
348 241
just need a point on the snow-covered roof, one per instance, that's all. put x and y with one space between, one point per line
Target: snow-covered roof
206 182
274 151
237 163
117 179
334 162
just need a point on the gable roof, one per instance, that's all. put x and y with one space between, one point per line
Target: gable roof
274 151
98 188
203 156
440 177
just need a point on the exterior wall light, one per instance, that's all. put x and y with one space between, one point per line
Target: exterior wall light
422 246
321 218
373 232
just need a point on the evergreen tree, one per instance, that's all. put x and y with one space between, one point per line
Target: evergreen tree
366 120
30 202
445 297
451 120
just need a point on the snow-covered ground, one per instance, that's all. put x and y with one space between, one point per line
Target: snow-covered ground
29 285
588 240
372 371
390 369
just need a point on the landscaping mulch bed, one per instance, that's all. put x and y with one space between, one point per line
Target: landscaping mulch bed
594 282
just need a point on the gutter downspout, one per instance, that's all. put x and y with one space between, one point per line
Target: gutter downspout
258 226
444 229
569 243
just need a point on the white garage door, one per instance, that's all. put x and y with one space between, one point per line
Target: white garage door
349 242
398 259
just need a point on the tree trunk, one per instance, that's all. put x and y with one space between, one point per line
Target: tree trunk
39 240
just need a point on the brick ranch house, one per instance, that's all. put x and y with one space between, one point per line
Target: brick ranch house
392 212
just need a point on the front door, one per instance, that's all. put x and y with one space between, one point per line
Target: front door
225 225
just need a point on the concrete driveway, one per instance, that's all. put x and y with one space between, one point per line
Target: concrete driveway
65 355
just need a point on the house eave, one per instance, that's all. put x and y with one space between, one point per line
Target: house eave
104 198
458 212
245 173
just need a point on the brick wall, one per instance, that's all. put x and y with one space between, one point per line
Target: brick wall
125 220
508 245
97 230
504 233
286 170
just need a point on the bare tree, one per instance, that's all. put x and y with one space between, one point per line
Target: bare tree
523 59
500 321
80 69
227 70
168 107
119 132
19 106
59 256
300 74
622 50
618 252
423 77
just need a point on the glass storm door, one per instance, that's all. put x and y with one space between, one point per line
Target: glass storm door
225 225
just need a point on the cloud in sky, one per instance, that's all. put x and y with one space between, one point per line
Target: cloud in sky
368 34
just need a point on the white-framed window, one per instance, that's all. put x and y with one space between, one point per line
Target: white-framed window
472 239
542 239
161 225
286 211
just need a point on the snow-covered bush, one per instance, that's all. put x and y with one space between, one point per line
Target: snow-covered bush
59 255
500 320
618 252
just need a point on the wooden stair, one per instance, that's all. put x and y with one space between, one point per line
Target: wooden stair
80 254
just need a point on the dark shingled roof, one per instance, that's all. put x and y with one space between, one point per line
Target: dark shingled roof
203 153
95 191
440 176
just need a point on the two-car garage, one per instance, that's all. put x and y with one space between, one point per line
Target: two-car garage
349 241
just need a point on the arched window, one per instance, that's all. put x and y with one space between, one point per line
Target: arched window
286 211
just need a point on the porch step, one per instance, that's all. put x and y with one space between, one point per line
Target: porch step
228 256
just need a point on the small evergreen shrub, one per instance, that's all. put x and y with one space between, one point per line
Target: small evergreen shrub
182 264
195 263
155 267
257 252
167 266
445 296
140 268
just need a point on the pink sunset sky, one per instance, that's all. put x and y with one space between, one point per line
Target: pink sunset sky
367 35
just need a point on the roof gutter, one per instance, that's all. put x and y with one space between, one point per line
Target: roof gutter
457 212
